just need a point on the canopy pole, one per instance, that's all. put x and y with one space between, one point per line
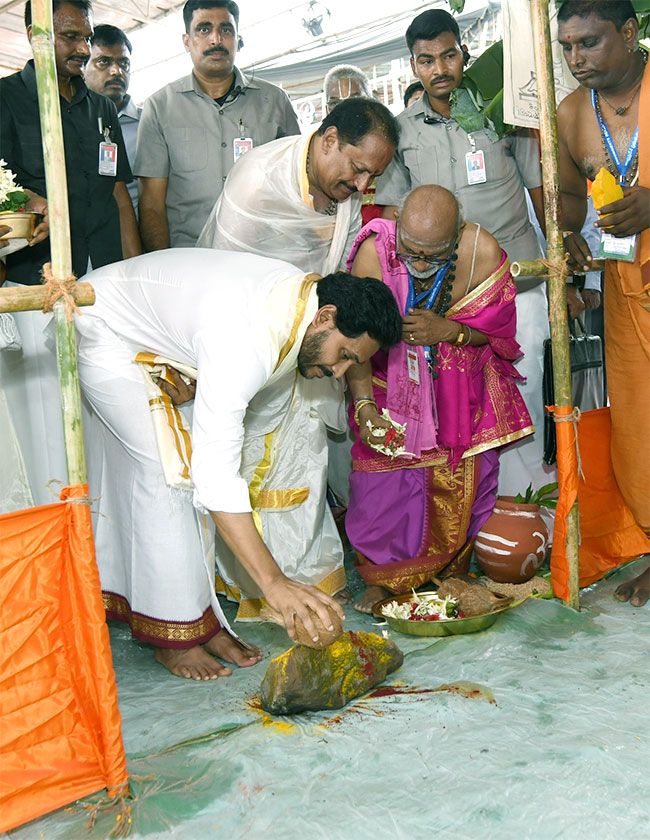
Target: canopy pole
556 283
57 202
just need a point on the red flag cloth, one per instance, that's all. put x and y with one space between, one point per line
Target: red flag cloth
609 536
60 727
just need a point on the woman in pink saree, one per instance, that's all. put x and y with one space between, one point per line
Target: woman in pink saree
412 516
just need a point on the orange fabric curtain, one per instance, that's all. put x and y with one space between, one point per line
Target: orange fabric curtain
609 536
60 727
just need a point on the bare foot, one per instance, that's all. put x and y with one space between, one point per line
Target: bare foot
370 597
636 591
225 647
193 663
344 596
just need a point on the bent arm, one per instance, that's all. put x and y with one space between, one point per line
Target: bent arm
289 598
131 245
154 227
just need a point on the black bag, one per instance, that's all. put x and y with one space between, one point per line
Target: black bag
587 379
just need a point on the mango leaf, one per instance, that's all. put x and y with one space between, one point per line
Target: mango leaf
487 71
483 107
494 113
457 5
465 111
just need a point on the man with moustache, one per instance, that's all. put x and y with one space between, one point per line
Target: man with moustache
451 381
250 327
109 72
434 149
345 81
102 223
193 130
604 123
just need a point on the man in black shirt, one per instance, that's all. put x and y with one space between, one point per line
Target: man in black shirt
103 227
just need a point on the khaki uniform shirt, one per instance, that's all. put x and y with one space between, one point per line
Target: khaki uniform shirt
433 152
187 137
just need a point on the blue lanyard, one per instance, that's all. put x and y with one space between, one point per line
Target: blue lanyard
430 295
611 148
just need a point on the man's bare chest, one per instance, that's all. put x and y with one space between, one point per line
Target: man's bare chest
588 146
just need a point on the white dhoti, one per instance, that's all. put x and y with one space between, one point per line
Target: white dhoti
15 493
284 451
150 550
30 381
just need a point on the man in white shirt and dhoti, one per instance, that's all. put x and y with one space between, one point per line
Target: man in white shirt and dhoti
299 199
244 342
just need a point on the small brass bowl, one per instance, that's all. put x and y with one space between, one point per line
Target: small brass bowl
22 224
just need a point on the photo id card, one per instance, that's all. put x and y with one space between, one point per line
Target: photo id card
618 247
240 146
475 163
413 366
108 158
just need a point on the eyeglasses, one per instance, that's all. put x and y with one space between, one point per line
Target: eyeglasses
436 262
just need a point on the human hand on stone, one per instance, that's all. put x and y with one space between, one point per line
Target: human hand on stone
297 600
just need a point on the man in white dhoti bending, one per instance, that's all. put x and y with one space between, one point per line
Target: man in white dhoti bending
299 199
246 324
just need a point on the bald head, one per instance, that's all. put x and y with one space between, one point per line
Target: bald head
430 216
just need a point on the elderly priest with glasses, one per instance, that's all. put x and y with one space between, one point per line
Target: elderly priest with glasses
451 381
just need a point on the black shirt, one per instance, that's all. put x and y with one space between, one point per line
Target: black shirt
94 215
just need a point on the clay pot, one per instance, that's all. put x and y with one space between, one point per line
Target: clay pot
21 224
512 544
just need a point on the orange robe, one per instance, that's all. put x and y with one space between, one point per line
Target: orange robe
627 347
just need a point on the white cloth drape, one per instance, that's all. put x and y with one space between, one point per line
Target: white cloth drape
265 208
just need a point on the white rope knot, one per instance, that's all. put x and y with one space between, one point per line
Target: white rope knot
59 287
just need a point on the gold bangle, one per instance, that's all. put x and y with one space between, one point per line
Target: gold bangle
461 335
358 406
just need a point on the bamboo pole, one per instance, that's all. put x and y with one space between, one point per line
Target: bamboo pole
555 249
537 268
22 299
57 201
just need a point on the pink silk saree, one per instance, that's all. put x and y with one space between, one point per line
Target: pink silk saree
409 516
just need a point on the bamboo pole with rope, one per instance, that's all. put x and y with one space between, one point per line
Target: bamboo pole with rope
61 257
32 298
555 254
538 268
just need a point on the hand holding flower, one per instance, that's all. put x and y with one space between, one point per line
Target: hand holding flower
370 415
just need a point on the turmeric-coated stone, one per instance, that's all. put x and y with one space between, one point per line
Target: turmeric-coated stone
304 679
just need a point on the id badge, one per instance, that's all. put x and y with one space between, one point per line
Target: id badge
413 366
108 158
241 145
475 164
618 247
